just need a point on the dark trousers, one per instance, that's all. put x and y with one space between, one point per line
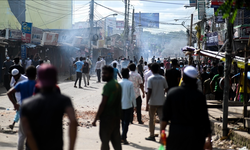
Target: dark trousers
138 109
98 71
218 95
78 76
110 131
6 81
126 117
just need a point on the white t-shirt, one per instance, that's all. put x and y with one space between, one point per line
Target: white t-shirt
28 63
158 84
146 76
12 84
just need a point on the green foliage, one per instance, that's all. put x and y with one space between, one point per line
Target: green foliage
230 8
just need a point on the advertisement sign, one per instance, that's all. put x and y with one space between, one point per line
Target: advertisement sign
26 32
201 9
147 20
15 34
192 3
219 18
217 2
37 35
49 38
23 51
212 39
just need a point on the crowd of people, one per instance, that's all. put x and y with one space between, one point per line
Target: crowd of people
172 96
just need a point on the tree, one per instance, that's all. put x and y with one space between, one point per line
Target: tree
232 6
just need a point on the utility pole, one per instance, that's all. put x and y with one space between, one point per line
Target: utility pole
91 24
127 36
125 28
227 69
190 61
133 27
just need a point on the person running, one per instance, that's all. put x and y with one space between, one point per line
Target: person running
153 59
16 78
155 98
78 65
98 69
85 72
42 114
128 103
189 100
109 111
138 84
26 90
17 66
116 72
173 75
6 65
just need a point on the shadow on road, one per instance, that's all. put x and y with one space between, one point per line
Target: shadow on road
2 108
3 144
140 146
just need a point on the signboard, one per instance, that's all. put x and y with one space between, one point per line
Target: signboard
36 36
201 9
212 39
147 20
217 2
23 51
219 18
50 38
26 32
15 34
192 3
242 32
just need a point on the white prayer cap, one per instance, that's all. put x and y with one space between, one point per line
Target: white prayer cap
191 72
14 72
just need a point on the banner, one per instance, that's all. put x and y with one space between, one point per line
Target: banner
148 20
50 38
26 32
23 51
212 39
201 9
219 18
192 3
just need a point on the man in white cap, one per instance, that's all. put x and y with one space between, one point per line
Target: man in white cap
180 107
16 78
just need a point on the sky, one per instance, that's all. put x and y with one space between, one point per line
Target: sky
169 11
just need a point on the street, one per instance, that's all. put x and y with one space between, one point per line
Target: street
86 102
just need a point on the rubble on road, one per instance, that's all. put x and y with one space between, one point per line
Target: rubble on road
224 144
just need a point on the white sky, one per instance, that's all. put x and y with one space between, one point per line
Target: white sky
169 10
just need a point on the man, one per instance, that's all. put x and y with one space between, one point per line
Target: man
28 62
153 59
15 79
116 71
158 61
42 114
6 66
207 89
78 65
128 102
138 84
173 75
215 84
204 75
161 71
109 111
190 102
103 61
98 69
157 86
85 72
46 61
40 63
214 69
145 68
17 66
147 75
90 63
26 90
140 68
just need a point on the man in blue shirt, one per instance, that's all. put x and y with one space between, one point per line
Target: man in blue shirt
26 90
116 71
78 65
